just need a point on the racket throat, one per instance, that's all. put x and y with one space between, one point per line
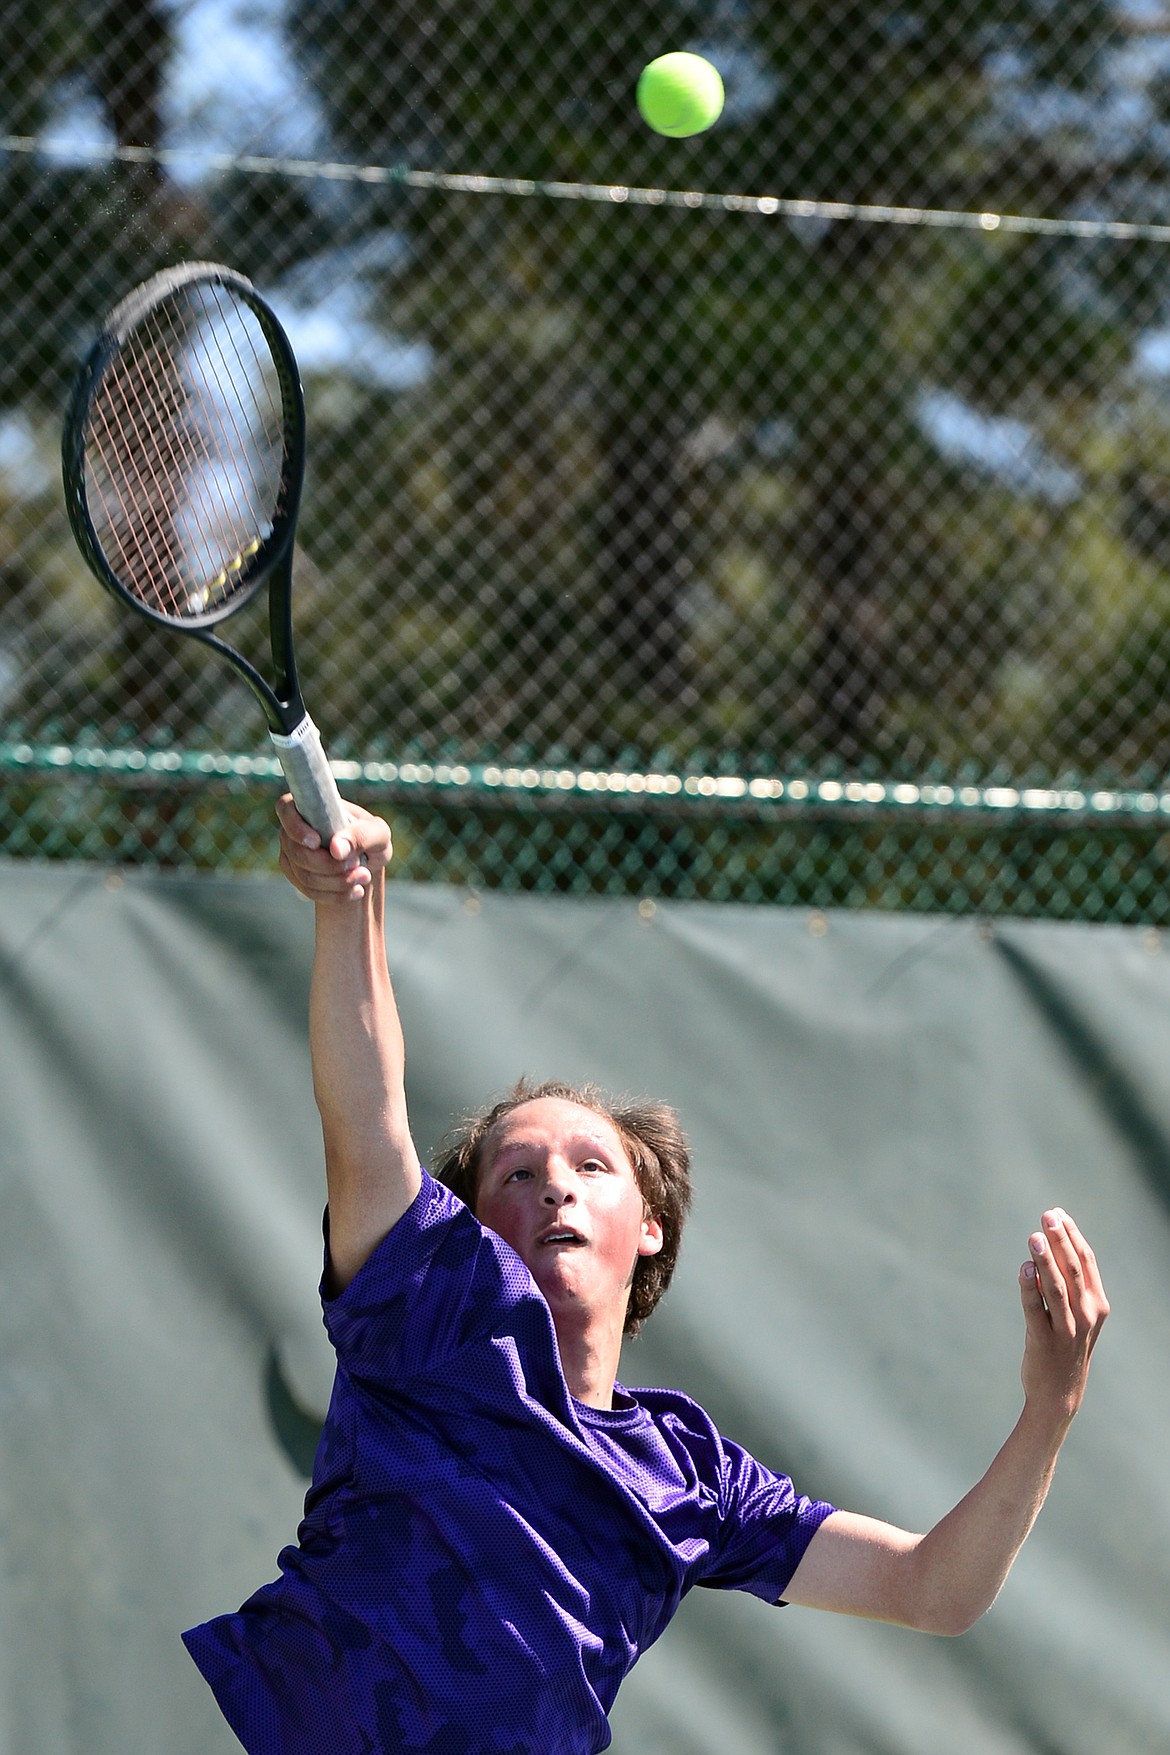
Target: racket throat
283 707
286 688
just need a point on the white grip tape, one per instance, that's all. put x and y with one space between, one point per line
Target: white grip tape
310 778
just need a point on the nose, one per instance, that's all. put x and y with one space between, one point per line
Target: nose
558 1184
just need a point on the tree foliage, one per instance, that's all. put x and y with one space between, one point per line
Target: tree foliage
663 450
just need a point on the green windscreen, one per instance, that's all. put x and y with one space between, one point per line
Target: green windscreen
880 1108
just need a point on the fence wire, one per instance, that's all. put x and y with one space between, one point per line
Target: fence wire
830 449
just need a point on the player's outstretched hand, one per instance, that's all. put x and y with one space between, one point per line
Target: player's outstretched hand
341 872
1064 1310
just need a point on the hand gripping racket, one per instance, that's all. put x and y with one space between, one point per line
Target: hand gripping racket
183 457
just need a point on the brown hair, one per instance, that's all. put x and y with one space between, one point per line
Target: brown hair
654 1142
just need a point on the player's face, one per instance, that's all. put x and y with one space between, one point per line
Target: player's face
557 1184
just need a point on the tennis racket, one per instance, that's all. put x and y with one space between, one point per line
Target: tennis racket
183 458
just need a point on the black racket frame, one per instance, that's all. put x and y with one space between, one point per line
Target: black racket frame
283 705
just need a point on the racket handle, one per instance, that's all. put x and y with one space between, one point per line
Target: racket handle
310 778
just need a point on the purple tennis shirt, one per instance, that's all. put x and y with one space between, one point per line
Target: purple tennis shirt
482 1558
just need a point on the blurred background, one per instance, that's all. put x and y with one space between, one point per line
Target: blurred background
830 554
780 516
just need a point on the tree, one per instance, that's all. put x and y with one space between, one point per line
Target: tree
667 491
84 238
685 315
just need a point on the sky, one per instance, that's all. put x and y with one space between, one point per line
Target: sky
327 306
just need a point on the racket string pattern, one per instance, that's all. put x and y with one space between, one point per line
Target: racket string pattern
183 457
185 452
126 475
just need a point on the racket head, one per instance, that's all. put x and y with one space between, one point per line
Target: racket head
184 447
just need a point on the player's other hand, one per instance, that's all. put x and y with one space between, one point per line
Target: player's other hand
345 870
1064 1311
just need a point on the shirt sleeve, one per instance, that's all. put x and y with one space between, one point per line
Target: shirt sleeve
765 1528
436 1282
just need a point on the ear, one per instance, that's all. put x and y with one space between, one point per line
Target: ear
650 1241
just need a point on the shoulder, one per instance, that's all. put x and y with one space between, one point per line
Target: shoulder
746 1485
670 1407
437 1281
423 1228
682 1424
437 1243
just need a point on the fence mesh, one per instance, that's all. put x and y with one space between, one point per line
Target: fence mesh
782 513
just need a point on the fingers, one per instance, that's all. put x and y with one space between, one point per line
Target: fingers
1055 1265
1064 1309
1063 1278
1059 1270
1091 1273
293 823
321 877
1031 1297
342 871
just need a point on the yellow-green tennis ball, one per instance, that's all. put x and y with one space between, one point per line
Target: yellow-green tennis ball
680 94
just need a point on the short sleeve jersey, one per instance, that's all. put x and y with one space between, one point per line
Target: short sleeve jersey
482 1558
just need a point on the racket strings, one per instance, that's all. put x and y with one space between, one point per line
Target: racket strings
185 453
142 448
232 489
135 458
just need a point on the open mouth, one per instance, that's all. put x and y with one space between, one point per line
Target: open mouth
565 1238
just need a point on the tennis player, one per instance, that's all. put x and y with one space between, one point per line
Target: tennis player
497 1528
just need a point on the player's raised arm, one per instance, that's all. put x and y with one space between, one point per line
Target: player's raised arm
355 1036
943 1581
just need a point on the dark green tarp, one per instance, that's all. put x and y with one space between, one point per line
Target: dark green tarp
880 1107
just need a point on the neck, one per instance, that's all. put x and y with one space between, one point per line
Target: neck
590 1353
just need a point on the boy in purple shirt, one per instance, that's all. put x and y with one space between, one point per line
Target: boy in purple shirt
496 1527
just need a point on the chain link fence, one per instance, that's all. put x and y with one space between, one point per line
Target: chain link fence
781 514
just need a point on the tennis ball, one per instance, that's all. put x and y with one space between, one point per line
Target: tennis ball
680 94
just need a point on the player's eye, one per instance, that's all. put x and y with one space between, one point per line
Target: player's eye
518 1174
